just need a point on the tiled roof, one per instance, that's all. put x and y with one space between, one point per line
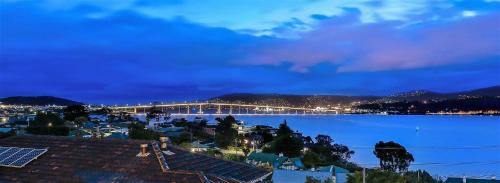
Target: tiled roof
266 157
72 160
115 160
241 172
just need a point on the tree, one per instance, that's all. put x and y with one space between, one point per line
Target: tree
48 124
288 145
74 111
184 137
374 175
393 156
138 131
331 153
225 134
266 136
419 176
311 160
103 111
284 130
341 152
324 140
311 179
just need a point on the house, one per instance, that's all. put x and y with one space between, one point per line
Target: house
470 180
66 159
340 174
271 160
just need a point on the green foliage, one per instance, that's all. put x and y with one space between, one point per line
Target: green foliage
184 137
267 137
288 145
74 111
233 157
186 145
213 152
381 176
103 111
284 130
311 160
285 143
48 124
419 176
7 134
225 133
138 131
376 176
329 153
393 156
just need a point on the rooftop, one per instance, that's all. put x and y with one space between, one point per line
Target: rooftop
114 160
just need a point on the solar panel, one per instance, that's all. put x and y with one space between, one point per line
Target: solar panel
18 157
3 149
28 158
8 153
15 156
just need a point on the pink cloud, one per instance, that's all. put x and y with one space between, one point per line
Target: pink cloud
377 47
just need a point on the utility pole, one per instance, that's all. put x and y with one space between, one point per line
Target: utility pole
364 175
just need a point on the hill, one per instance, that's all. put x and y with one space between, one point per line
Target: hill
292 100
325 100
418 95
38 100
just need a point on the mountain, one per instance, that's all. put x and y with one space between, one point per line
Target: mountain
38 100
325 100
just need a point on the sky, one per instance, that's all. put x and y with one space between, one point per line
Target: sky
129 51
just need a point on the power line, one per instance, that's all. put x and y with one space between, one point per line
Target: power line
491 147
441 164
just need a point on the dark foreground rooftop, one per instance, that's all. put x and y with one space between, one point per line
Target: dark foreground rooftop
113 160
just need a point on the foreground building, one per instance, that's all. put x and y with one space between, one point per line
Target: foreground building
64 159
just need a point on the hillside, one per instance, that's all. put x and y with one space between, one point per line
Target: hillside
493 91
292 100
325 100
38 100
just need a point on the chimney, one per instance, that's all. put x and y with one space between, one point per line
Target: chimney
144 149
163 141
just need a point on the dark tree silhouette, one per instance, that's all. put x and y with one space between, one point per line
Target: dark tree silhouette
284 130
393 156
47 124
75 111
138 131
225 133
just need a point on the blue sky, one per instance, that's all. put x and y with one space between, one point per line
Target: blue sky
126 51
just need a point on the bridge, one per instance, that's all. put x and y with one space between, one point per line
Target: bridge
220 108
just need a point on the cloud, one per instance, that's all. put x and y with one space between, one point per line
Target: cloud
116 51
381 46
256 17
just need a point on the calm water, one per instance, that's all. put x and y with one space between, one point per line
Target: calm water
436 141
